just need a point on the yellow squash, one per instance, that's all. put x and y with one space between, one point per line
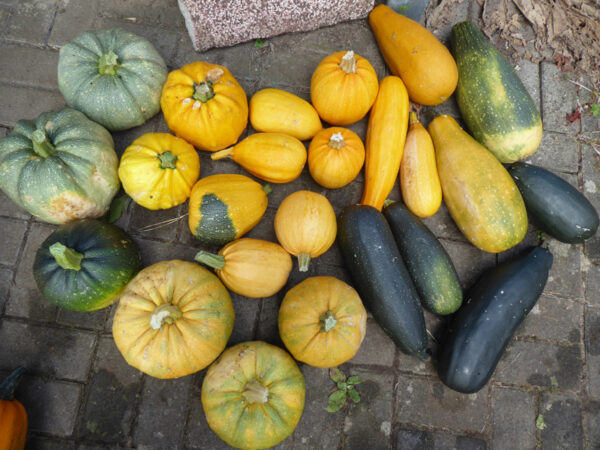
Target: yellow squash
277 111
386 134
158 170
205 105
274 157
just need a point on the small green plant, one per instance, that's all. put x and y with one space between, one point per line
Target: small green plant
117 207
259 43
595 109
539 422
344 389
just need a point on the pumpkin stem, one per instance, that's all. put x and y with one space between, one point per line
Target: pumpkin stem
267 188
8 386
303 262
210 259
256 392
108 63
222 154
66 257
412 118
348 63
164 313
167 160
203 92
337 141
41 145
327 321
388 202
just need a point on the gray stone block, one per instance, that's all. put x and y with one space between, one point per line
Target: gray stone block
30 22
562 417
559 98
267 328
377 348
93 320
469 261
10 209
73 17
592 285
12 237
26 103
426 440
264 229
442 225
166 231
6 276
590 169
30 66
529 73
557 152
124 139
592 349
513 418
592 416
164 13
153 251
246 316
565 275
40 443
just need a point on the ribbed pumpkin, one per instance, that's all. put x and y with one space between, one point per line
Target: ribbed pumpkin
224 207
253 395
173 319
305 226
343 87
335 156
158 170
84 265
59 167
277 111
322 321
250 267
13 417
113 76
273 157
205 105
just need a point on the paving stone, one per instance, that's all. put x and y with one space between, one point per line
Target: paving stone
267 329
557 153
559 98
26 103
426 440
246 315
13 234
124 139
565 275
93 320
592 415
513 416
73 17
531 239
591 183
427 402
40 443
164 13
159 421
469 261
529 73
31 21
3 132
264 229
562 417
10 209
337 271
592 348
30 66
592 285
377 348
442 225
153 251
6 276
435 325
449 107
142 217
527 363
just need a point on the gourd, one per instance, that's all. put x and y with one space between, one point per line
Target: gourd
386 134
13 416
414 54
173 319
59 167
305 226
335 157
322 321
158 170
113 76
273 157
205 105
250 267
85 265
278 111
253 395
343 87
224 207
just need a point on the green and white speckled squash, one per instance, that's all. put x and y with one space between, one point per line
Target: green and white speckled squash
113 76
59 167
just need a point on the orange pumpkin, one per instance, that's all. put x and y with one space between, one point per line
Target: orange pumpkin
13 417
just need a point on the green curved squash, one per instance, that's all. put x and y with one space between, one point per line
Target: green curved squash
113 76
84 265
59 167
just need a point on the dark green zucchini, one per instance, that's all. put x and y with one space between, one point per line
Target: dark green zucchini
555 206
494 307
381 278
428 263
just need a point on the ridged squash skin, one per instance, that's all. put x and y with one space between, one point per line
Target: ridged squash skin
278 111
498 110
480 194
13 416
414 54
386 135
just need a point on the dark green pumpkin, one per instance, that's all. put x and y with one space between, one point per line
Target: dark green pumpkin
84 265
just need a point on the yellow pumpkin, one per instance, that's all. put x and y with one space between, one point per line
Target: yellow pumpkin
224 207
250 267
322 321
419 180
277 111
274 157
335 156
305 226
205 105
158 170
173 319
343 87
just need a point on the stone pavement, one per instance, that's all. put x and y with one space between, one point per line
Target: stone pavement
81 394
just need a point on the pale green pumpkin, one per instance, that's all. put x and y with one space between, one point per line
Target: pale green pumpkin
60 167
113 76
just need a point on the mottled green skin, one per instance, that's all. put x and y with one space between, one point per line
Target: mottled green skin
110 260
84 165
215 226
120 101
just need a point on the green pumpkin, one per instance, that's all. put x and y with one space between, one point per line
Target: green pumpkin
84 265
113 76
59 167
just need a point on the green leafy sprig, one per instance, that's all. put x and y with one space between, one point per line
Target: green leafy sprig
344 389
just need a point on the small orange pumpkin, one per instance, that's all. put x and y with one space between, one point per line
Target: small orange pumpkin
13 417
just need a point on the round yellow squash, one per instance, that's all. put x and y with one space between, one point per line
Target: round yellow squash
277 111
322 321
173 319
250 267
343 88
253 395
158 170
205 105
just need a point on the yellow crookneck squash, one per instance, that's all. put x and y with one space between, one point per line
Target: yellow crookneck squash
13 417
205 105
158 170
173 319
